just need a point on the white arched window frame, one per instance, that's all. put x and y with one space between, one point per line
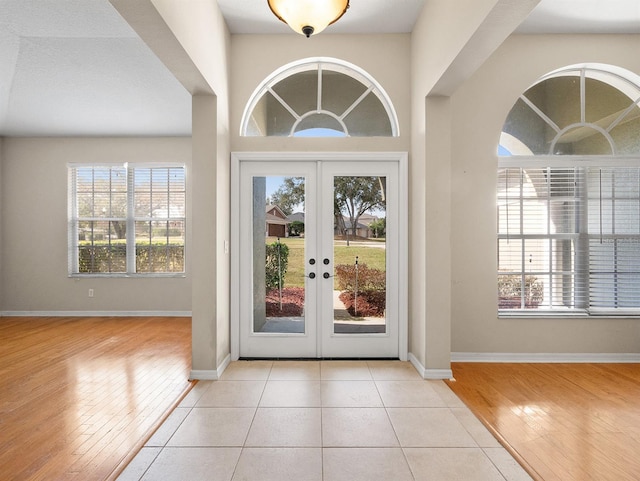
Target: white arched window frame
569 225
320 64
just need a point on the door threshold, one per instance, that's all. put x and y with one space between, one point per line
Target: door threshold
319 359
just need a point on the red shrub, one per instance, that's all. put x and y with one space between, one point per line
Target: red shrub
292 302
370 303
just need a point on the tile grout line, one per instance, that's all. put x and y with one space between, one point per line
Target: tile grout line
386 410
321 429
494 464
255 413
481 448
164 445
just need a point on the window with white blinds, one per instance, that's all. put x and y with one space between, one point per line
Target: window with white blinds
127 219
539 242
568 195
614 239
569 239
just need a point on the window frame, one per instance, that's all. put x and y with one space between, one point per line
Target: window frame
319 64
582 235
131 219
585 269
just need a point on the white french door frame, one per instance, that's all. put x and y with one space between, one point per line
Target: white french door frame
401 158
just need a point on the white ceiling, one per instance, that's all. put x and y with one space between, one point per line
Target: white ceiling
363 16
584 16
75 67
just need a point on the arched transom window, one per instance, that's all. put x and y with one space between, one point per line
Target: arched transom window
568 195
579 110
319 97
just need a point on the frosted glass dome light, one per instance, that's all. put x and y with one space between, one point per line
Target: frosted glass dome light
308 17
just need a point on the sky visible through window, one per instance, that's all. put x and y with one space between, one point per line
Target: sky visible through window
273 183
503 151
319 132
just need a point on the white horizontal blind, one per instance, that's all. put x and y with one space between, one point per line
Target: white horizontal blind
614 239
98 226
159 215
126 219
540 249
569 239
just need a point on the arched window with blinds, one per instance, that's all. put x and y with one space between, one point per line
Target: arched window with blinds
568 196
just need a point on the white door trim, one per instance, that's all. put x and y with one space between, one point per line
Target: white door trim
400 157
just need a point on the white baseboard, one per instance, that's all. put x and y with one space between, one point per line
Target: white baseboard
95 314
212 374
224 365
545 357
417 364
203 375
429 373
438 374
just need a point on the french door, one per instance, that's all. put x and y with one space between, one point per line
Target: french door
319 266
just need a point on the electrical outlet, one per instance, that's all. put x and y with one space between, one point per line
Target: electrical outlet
90 292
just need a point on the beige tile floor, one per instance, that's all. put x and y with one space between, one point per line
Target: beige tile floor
322 421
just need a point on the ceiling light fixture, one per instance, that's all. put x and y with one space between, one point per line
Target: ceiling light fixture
308 17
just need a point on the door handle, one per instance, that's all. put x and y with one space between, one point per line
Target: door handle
326 275
312 275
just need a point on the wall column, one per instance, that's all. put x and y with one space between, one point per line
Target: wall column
2 202
203 259
438 237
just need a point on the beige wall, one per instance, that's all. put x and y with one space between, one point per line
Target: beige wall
452 143
2 202
202 33
446 49
480 107
34 273
385 57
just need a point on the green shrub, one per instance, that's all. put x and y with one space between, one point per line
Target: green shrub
296 228
274 276
159 258
510 291
104 257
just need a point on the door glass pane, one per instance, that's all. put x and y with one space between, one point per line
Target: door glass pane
359 251
278 255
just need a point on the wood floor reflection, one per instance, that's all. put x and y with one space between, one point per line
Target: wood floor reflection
564 421
79 396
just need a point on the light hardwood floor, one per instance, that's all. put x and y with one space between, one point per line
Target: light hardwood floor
563 421
79 396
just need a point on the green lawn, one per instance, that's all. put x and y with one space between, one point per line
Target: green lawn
373 257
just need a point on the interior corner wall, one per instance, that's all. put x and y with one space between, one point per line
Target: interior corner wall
446 49
1 225
479 109
438 233
204 36
441 33
34 230
204 229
